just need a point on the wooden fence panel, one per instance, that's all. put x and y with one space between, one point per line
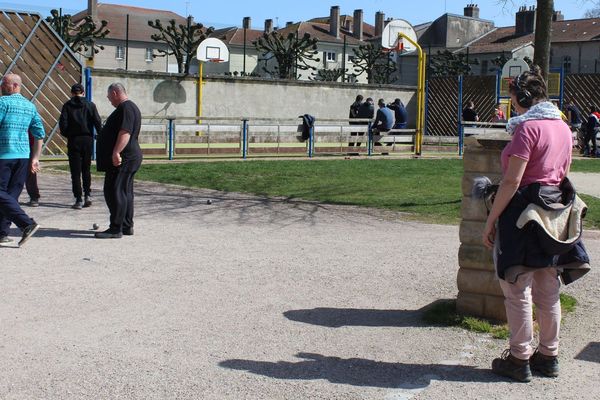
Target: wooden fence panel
442 106
30 47
442 102
582 89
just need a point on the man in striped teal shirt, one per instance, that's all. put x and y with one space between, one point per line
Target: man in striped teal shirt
18 117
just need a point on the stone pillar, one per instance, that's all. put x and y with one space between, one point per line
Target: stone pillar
479 292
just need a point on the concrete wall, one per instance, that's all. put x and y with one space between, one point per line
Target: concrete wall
170 94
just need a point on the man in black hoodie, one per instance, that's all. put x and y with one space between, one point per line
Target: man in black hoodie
78 119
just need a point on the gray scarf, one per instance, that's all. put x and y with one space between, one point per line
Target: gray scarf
543 110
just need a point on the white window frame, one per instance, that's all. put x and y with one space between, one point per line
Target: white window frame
120 53
331 56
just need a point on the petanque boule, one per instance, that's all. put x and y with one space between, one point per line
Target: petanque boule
209 201
95 226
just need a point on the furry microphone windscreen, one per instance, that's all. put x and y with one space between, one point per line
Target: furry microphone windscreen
481 186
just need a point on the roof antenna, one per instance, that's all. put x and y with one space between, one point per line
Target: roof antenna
187 6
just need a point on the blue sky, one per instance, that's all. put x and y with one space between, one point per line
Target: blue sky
231 12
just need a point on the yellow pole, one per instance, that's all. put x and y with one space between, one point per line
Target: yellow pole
200 83
420 94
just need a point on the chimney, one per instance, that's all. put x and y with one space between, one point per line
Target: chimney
357 30
525 21
472 10
93 9
246 24
379 18
557 16
268 26
289 23
348 25
334 21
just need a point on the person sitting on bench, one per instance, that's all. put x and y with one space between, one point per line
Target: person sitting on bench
384 120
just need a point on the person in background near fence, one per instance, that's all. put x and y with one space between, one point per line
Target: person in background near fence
498 114
575 118
18 117
78 119
354 108
31 183
400 114
469 114
535 165
119 156
592 129
365 111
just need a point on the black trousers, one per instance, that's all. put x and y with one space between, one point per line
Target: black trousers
118 194
80 158
591 137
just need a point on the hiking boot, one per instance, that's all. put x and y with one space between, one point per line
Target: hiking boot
33 203
28 232
5 240
546 365
512 367
108 234
88 201
78 205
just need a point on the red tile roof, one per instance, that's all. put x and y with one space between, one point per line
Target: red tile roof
568 31
116 16
321 32
235 36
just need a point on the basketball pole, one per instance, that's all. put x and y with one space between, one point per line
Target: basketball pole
420 94
199 102
200 83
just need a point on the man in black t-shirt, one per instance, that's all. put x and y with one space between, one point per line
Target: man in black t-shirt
119 156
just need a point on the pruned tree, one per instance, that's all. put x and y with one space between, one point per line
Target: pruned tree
291 52
383 72
447 63
329 75
592 12
371 60
503 59
81 36
183 40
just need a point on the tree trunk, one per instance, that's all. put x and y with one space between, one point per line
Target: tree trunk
541 55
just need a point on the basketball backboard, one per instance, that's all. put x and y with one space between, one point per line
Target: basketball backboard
389 38
511 69
212 50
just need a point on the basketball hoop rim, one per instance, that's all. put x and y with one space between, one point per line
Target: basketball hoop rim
398 48
215 60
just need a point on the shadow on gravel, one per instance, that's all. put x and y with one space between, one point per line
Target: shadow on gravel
338 317
591 352
65 233
362 372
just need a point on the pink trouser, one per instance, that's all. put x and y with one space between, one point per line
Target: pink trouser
543 287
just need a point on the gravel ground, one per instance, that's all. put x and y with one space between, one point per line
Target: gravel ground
253 298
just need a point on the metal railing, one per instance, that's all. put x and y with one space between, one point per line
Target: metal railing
244 137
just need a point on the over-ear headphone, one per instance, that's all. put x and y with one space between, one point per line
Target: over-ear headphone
524 98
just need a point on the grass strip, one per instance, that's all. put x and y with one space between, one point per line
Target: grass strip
443 313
